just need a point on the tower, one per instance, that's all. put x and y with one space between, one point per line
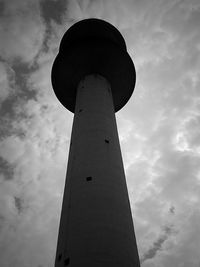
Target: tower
93 76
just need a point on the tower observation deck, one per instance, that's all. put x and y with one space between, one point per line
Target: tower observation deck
93 76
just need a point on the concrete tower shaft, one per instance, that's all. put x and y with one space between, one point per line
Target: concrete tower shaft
96 228
93 76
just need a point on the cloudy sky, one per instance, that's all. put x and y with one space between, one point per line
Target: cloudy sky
159 128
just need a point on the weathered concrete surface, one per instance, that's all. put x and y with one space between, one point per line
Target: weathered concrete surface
96 228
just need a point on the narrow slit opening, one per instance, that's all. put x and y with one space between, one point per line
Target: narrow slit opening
59 257
66 262
107 141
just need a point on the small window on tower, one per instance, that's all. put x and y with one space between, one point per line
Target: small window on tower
107 141
59 257
66 262
89 178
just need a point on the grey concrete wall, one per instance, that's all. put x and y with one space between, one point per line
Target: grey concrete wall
96 227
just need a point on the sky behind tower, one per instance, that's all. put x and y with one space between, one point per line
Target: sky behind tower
159 128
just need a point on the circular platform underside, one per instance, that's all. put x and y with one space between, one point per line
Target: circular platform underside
82 56
94 29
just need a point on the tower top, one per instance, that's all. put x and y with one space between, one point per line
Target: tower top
93 46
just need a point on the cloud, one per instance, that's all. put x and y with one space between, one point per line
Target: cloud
22 30
53 10
182 246
157 245
6 81
158 128
6 169
34 192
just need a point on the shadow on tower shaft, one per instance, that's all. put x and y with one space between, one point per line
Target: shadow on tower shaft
93 76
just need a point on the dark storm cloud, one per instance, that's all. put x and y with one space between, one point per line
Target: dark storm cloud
6 169
172 210
2 7
18 204
20 93
157 245
86 4
6 126
7 80
21 30
2 220
53 10
22 72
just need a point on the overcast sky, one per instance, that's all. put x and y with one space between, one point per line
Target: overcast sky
159 128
